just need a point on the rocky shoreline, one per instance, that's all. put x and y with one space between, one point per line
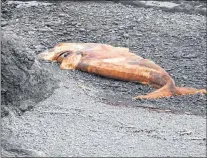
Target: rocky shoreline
71 113
189 7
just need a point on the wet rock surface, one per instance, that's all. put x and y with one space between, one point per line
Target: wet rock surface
78 119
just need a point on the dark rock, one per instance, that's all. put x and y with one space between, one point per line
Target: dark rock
15 150
22 77
202 11
26 105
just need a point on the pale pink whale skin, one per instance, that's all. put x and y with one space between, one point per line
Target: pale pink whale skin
118 63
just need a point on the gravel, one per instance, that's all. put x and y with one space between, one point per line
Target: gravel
89 115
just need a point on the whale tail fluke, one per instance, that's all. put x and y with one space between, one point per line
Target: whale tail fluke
171 90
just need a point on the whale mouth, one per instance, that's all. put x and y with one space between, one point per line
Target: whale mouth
45 55
48 55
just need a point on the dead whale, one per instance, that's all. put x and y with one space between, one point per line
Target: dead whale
117 63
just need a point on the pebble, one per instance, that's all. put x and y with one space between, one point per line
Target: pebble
126 35
3 23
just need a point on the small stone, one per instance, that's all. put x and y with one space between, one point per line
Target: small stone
73 23
26 105
61 15
115 23
39 47
82 29
185 77
78 24
126 35
45 29
3 23
121 27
